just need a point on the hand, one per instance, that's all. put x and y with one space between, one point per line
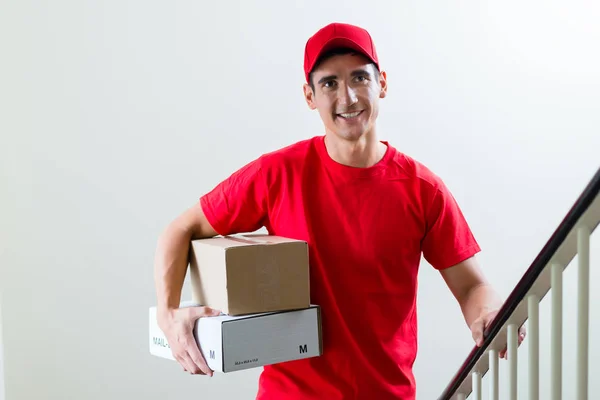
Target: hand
178 325
480 325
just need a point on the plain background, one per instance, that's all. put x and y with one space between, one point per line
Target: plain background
117 115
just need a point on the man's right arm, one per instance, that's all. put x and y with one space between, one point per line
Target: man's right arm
237 204
170 266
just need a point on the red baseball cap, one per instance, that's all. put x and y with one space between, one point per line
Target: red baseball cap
338 35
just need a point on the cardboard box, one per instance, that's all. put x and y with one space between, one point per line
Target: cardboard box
233 343
249 274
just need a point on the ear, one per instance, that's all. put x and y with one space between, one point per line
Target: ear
309 96
383 84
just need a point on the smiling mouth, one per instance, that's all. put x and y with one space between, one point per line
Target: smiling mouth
349 115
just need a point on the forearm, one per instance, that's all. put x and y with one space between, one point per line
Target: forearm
480 300
170 266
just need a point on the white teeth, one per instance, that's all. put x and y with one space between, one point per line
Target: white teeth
350 115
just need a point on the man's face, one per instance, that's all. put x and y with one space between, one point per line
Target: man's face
347 89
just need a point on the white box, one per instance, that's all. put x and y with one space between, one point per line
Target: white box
233 343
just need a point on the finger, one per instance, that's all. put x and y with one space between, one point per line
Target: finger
195 355
503 352
191 373
194 369
199 362
523 331
477 332
187 363
199 312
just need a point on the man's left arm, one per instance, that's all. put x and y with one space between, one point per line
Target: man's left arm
478 300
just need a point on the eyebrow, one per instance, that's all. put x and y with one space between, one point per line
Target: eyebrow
358 72
327 78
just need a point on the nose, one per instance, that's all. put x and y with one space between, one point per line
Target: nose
347 96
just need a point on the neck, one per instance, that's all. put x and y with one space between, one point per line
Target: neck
362 153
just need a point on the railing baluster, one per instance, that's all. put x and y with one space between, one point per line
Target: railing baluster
512 361
494 388
476 378
583 250
546 274
533 334
556 372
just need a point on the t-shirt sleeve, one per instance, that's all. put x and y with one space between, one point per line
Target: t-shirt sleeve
448 239
239 203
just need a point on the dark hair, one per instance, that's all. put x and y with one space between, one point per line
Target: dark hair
338 51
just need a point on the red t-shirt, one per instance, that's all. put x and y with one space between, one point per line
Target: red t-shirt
366 229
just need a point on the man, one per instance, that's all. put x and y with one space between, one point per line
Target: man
368 213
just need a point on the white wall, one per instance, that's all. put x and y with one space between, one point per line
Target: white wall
2 383
118 115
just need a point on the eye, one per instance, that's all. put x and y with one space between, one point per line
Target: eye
361 78
328 84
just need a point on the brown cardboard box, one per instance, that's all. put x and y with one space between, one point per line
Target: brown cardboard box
246 274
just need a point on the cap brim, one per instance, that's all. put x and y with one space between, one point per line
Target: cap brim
337 42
